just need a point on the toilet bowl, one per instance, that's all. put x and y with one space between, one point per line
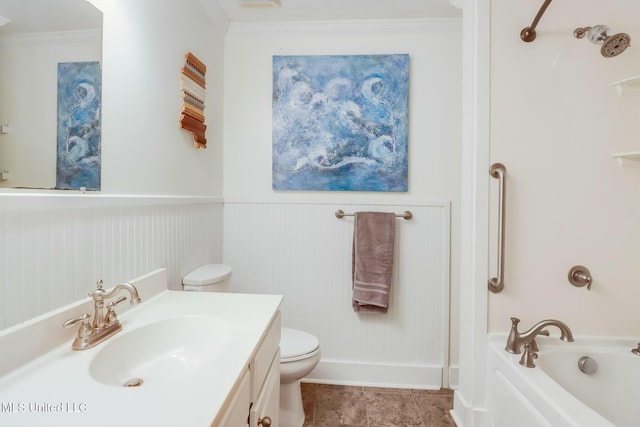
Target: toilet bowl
299 354
299 350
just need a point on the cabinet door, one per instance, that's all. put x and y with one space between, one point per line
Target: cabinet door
236 412
263 358
267 405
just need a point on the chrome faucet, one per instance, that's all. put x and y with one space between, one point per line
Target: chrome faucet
104 324
517 339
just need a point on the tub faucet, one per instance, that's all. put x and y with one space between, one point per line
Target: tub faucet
517 339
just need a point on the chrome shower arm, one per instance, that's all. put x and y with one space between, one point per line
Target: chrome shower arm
528 34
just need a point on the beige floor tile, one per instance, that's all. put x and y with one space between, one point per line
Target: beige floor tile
337 407
308 402
390 409
354 406
435 409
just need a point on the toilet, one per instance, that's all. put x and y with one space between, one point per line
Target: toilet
299 350
299 354
208 278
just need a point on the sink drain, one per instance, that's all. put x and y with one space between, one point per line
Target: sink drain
134 382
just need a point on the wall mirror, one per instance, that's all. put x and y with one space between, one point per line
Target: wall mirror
50 94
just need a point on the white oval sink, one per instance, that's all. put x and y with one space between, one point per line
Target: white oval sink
164 350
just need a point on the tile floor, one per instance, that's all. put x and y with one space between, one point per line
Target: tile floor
350 406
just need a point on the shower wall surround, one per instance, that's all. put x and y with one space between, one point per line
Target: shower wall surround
50 257
566 117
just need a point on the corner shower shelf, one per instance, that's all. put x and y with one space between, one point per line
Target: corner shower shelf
630 86
628 160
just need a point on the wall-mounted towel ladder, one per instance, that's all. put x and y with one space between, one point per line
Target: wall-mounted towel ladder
406 214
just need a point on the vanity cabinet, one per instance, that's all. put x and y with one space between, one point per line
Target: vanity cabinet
256 399
228 375
236 413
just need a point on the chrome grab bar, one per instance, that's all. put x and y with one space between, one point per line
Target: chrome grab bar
497 170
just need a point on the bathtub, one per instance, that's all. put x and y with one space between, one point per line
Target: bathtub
556 393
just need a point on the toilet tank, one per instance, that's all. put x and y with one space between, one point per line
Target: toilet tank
208 278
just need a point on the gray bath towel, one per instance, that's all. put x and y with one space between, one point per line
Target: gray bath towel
372 260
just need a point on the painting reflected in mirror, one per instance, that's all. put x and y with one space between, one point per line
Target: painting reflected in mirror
50 94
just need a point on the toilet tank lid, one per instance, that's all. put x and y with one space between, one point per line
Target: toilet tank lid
294 342
207 275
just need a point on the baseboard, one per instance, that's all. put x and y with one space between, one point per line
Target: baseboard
459 409
453 377
428 377
464 415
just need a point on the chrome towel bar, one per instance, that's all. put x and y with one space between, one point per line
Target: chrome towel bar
498 171
406 214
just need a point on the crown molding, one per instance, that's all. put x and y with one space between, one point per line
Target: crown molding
350 26
217 16
48 38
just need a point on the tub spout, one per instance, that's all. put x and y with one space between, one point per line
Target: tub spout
517 339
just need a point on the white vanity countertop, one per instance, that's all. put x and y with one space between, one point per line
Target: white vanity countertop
56 389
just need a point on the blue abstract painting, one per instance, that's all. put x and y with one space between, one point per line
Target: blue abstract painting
79 125
340 122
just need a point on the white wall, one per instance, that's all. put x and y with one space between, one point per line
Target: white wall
434 99
434 170
302 251
144 149
556 120
469 397
29 70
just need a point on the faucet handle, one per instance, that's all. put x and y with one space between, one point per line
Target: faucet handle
85 329
111 315
528 356
122 298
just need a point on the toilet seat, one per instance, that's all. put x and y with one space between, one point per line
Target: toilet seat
297 345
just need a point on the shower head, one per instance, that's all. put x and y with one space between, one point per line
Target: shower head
611 45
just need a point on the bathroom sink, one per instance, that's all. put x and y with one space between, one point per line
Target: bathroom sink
167 349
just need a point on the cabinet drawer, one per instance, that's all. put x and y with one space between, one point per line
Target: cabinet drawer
264 356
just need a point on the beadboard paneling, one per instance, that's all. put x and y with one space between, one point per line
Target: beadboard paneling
50 257
302 251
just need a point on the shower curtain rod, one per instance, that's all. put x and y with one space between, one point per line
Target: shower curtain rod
528 34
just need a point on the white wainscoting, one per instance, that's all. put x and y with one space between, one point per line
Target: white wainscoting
54 249
301 250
